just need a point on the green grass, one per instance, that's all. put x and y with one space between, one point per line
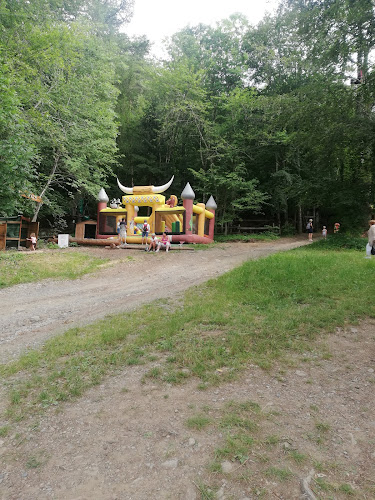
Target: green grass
16 268
266 235
257 314
279 474
198 422
297 457
206 493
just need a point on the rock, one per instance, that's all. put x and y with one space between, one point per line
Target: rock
285 445
226 467
220 493
300 373
170 464
190 493
192 441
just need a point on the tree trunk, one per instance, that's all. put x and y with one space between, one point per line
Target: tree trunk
299 219
49 180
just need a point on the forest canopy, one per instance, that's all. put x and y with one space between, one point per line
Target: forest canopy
274 120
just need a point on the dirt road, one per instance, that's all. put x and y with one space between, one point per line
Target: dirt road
31 313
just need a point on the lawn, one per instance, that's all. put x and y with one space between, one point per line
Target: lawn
16 267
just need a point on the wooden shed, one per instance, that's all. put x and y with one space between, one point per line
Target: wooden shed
14 232
86 229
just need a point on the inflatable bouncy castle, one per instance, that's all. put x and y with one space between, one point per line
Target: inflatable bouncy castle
191 223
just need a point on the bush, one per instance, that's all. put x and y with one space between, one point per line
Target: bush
288 229
51 245
341 242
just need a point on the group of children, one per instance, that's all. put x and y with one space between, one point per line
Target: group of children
155 244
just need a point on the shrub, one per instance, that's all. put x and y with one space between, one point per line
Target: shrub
340 242
52 245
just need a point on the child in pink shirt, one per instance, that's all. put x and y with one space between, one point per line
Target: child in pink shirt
164 242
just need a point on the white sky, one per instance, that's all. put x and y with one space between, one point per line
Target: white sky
158 19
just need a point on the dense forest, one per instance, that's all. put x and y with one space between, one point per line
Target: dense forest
276 121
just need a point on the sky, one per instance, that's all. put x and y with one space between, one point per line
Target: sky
158 19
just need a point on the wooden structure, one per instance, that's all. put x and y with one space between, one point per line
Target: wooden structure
255 225
14 232
85 229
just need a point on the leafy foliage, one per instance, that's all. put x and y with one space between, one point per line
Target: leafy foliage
261 117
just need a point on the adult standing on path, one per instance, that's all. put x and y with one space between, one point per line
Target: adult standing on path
310 229
145 231
370 239
123 232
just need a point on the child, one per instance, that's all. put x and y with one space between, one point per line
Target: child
33 241
131 225
145 231
123 232
164 242
310 229
371 240
324 232
153 243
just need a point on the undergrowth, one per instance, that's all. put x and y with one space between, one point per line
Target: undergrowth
340 242
266 235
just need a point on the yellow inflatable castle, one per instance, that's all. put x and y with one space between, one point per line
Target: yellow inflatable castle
193 223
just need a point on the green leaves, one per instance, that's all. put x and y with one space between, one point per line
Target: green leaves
15 150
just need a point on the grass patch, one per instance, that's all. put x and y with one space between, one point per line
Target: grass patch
16 268
279 474
33 463
198 422
4 430
206 493
297 457
248 238
322 426
254 314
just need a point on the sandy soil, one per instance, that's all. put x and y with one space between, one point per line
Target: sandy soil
129 440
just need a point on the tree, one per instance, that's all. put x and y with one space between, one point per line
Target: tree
65 66
16 151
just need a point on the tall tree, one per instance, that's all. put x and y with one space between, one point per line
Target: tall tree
65 66
16 151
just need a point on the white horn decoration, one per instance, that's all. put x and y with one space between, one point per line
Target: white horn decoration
124 189
161 189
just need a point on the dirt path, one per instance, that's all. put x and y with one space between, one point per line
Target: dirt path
31 313
129 440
